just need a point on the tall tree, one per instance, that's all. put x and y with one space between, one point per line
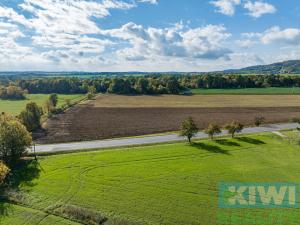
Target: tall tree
188 129
53 98
31 116
91 92
14 139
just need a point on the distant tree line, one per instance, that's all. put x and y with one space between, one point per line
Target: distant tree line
52 85
150 84
127 85
239 81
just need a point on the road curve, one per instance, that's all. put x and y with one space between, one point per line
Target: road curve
147 139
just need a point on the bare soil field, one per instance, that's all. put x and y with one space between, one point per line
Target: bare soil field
133 116
203 101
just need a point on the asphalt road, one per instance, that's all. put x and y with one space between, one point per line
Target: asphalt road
148 139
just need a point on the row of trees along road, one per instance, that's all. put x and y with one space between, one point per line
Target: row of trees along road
189 129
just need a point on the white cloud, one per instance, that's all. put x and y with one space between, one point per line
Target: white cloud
12 16
259 8
287 36
154 2
284 37
251 35
178 41
58 26
12 52
243 59
8 30
71 17
245 43
248 39
131 54
226 7
255 9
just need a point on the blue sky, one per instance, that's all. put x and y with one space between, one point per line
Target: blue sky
146 35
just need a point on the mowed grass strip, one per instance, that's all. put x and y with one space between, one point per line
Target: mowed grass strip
249 91
162 184
200 101
14 107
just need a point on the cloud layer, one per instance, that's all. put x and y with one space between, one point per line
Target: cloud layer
65 32
68 35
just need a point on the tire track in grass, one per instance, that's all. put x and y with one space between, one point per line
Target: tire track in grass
39 222
117 164
34 215
59 201
119 187
78 187
162 159
112 186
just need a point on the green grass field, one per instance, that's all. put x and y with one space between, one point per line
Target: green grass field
249 91
160 184
15 107
15 214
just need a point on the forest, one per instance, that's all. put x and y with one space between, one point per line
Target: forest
146 84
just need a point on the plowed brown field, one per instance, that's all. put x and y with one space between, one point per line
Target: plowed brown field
101 118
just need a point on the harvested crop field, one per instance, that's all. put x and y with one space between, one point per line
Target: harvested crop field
93 121
196 101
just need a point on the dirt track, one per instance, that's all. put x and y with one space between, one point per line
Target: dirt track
87 122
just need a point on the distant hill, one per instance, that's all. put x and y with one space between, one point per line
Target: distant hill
286 67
